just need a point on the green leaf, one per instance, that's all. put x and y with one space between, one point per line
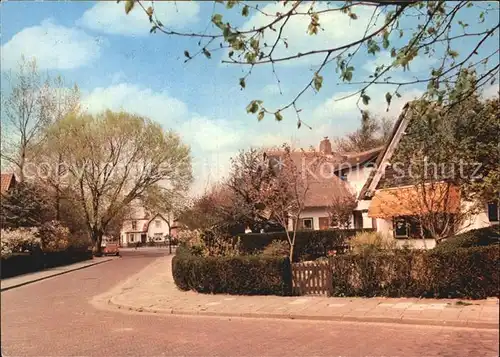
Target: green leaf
388 98
253 106
217 21
242 83
453 53
385 42
366 99
353 16
230 3
250 57
317 81
186 54
129 5
231 53
226 32
393 52
254 43
278 116
245 10
153 29
299 124
260 116
398 95
206 53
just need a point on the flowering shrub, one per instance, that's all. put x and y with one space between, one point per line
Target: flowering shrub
277 248
366 242
19 240
54 237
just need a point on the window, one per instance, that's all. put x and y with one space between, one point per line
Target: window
157 223
158 236
134 225
307 223
493 212
130 237
408 227
400 227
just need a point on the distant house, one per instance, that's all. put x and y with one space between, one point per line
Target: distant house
391 205
339 175
8 182
143 227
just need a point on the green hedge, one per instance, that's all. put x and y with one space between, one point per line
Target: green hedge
243 275
461 273
309 245
23 263
473 238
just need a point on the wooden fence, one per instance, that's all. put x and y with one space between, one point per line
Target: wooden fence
311 278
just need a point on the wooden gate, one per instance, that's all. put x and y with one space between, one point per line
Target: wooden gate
311 278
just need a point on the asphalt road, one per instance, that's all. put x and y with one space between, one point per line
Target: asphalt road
54 318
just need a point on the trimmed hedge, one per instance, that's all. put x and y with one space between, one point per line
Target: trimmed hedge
461 273
309 245
473 238
23 263
242 275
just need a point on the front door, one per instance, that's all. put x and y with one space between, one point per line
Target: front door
143 238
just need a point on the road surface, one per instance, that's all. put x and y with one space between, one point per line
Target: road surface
54 318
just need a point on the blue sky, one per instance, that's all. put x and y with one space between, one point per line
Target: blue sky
119 65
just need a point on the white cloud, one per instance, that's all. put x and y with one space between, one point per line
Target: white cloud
158 106
109 17
335 110
54 47
339 30
212 135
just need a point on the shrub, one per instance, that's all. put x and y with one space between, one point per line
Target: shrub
461 273
309 245
79 242
18 240
371 241
473 238
54 237
244 275
277 248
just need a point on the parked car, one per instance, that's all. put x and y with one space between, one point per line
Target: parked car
109 248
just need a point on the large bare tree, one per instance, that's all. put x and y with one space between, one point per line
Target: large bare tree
26 111
283 197
114 158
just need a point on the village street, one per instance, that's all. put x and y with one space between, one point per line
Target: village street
65 316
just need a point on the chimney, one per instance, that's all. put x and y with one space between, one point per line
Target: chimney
325 146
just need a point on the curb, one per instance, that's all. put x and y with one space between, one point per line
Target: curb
55 274
373 319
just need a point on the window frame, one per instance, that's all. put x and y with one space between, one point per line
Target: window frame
304 225
134 225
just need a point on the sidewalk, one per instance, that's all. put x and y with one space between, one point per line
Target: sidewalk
153 290
20 280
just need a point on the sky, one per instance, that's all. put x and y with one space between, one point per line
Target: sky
119 65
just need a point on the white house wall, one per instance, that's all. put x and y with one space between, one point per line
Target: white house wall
385 227
356 178
164 228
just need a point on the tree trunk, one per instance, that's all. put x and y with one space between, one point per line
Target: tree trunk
291 253
96 237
